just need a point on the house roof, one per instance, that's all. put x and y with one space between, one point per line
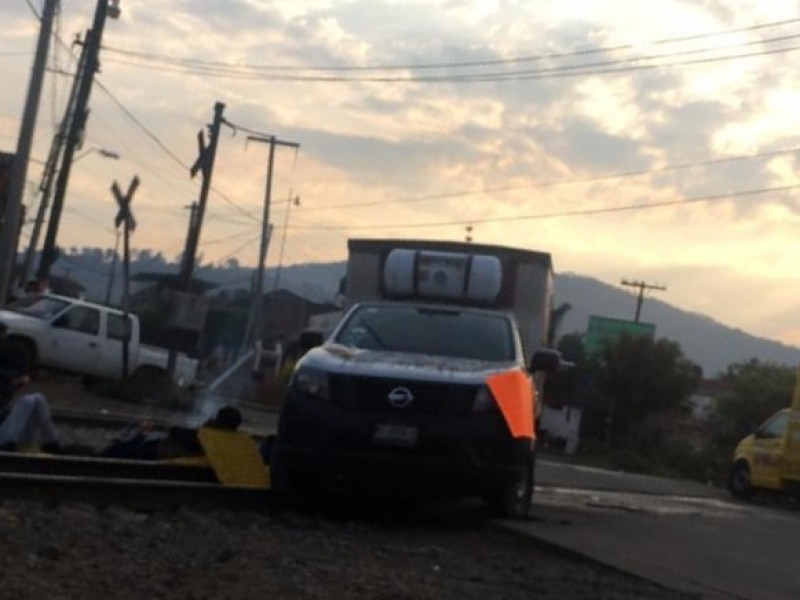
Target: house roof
172 280
65 286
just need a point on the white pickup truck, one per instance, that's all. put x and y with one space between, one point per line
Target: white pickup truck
68 334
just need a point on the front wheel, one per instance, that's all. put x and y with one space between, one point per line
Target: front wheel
514 500
739 482
150 385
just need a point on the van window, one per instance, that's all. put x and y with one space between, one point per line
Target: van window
775 427
82 319
116 327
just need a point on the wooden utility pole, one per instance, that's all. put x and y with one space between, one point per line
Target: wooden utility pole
205 166
255 322
12 215
48 178
642 287
112 275
125 217
90 64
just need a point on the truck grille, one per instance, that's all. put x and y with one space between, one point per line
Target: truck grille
372 394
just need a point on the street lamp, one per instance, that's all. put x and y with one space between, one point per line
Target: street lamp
45 187
104 152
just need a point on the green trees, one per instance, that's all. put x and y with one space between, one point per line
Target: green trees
758 390
643 377
632 380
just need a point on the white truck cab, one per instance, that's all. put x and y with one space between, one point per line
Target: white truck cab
72 335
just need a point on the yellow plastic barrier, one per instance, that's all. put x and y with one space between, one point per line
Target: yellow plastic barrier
234 457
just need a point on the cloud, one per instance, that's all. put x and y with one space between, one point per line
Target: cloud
384 141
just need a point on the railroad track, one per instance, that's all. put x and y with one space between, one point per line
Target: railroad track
138 484
97 420
141 485
122 421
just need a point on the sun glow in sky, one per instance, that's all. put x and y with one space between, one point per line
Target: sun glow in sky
545 125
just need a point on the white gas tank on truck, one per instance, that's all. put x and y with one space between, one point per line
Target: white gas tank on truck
426 385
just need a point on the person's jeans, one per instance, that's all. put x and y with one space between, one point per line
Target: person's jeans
28 416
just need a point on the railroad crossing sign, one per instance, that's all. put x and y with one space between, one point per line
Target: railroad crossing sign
124 215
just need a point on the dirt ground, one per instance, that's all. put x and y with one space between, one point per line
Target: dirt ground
78 551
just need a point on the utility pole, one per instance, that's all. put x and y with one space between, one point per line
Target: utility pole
125 217
190 235
113 274
48 177
12 216
254 329
642 287
205 166
90 64
292 202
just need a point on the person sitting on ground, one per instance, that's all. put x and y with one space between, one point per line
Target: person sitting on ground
26 418
176 442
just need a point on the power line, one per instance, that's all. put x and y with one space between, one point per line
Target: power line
33 9
582 70
569 213
163 147
197 63
244 245
555 182
166 150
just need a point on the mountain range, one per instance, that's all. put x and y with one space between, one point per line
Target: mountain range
703 340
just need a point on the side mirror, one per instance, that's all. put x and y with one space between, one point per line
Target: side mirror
311 339
548 361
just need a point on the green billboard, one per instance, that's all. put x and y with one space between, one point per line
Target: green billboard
605 329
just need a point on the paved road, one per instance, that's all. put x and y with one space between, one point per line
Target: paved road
683 535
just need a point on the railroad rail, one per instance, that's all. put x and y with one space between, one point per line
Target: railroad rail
137 484
136 494
123 421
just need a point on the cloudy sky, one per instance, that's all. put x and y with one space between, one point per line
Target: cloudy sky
651 140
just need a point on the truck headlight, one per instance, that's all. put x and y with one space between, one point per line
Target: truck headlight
483 401
311 381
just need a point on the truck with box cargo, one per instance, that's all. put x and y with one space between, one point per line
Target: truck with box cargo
426 385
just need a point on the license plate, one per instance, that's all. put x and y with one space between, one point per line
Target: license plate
396 435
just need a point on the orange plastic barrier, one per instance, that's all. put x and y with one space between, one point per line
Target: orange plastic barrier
514 395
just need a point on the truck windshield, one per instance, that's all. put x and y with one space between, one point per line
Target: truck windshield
446 332
42 308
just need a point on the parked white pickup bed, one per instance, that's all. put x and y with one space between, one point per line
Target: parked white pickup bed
81 337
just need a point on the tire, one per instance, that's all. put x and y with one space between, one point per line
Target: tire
26 350
514 500
739 482
150 385
278 477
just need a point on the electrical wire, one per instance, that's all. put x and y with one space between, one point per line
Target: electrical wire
165 149
589 69
445 65
35 12
556 182
569 213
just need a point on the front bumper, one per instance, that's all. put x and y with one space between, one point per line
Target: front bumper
325 445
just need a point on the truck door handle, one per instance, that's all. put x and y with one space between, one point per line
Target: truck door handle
92 344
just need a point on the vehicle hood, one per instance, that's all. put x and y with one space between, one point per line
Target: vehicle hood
17 321
335 358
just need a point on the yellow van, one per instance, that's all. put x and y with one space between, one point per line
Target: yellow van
769 458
